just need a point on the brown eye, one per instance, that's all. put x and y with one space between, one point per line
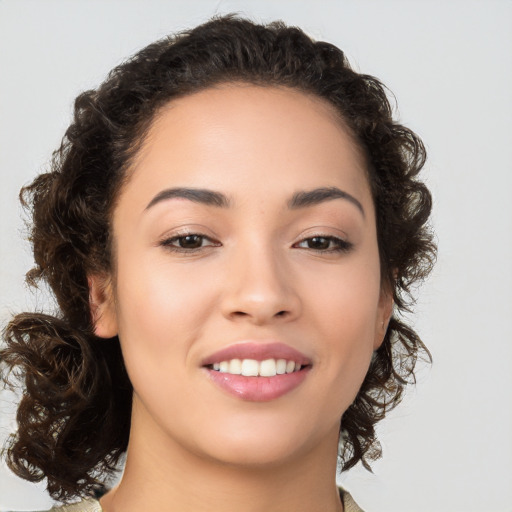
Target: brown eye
190 241
325 244
320 243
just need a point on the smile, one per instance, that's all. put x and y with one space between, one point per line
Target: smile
254 368
257 371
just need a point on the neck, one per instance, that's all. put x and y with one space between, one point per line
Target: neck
160 472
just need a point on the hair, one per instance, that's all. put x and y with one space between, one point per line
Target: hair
74 415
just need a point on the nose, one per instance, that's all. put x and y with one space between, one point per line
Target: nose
259 288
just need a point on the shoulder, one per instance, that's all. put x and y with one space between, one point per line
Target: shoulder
88 505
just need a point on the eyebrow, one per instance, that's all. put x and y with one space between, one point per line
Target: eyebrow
301 199
197 195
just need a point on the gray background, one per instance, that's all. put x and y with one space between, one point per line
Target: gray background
449 446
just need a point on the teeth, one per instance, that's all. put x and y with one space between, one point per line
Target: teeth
290 366
250 368
281 366
235 366
268 368
253 368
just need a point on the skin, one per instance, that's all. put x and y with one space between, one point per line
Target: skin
256 276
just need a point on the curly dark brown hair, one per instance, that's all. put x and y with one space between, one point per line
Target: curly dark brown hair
74 415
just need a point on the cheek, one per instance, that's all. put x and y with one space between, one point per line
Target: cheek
160 311
346 299
160 315
159 297
346 311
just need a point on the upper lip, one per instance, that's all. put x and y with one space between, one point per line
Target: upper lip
259 351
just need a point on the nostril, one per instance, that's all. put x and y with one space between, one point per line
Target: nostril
243 314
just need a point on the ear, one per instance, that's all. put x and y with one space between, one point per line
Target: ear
102 305
384 312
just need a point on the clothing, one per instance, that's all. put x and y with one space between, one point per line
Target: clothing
349 505
90 505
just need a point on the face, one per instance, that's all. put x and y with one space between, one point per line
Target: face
245 241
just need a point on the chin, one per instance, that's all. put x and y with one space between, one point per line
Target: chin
265 443
255 455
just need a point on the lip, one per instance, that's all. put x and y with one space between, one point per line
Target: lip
257 389
259 351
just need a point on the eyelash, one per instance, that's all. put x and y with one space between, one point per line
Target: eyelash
340 245
167 243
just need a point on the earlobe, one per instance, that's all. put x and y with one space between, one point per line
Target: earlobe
385 310
102 306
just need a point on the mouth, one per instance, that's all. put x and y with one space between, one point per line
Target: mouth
257 372
255 368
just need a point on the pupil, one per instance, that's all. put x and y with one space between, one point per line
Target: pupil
319 242
191 241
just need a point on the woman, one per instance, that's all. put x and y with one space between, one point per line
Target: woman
231 228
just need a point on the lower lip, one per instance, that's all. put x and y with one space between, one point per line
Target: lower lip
258 389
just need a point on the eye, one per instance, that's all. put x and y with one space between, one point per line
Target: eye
188 242
325 244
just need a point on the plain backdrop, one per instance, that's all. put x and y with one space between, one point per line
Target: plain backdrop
448 447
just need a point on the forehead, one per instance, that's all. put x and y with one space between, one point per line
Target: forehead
248 138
